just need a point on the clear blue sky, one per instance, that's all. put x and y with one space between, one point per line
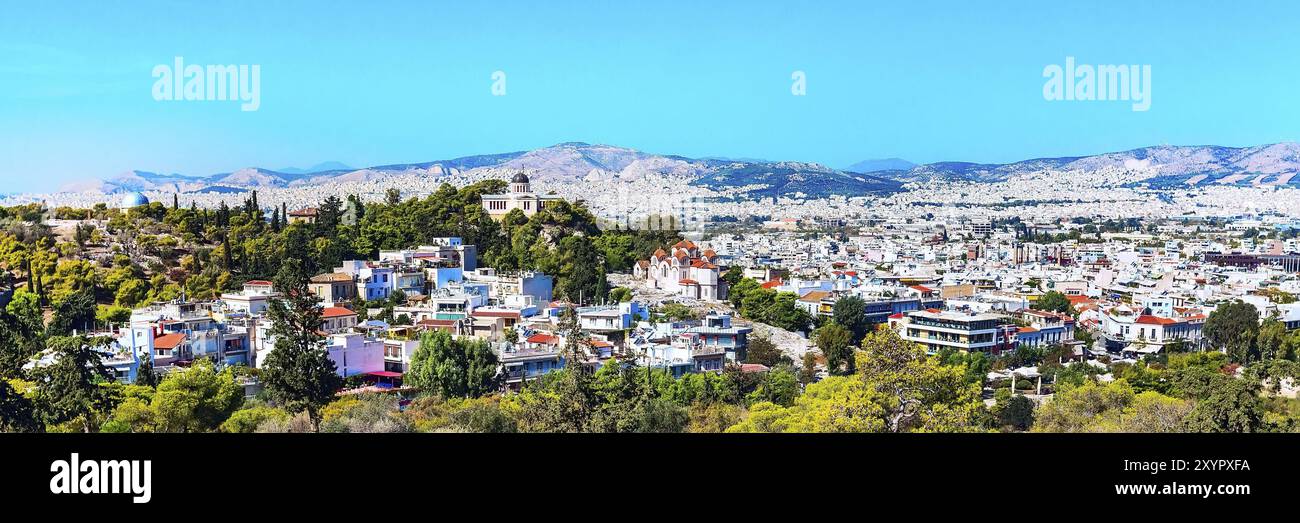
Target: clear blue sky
387 82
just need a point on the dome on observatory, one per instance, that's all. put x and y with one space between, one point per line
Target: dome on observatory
520 177
132 199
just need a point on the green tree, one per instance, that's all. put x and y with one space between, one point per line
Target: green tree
919 393
836 343
851 313
70 389
762 351
1084 408
835 404
197 399
564 400
145 375
733 275
453 368
75 313
17 413
1274 342
1013 410
779 386
1229 405
620 295
298 373
1233 327
1053 301
674 311
246 421
808 368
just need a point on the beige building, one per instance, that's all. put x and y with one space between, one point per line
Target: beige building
333 287
520 197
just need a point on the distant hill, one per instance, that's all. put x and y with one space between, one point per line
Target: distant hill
883 164
1159 166
576 162
320 167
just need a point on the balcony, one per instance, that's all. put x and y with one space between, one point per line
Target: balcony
708 350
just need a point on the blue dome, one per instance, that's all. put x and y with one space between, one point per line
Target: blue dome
133 199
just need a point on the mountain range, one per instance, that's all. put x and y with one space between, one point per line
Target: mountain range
575 162
1163 166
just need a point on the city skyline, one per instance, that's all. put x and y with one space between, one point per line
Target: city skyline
414 83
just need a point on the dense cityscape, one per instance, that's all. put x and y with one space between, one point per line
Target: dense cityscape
491 306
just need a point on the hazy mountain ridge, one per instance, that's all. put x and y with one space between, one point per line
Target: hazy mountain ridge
575 162
1161 166
880 164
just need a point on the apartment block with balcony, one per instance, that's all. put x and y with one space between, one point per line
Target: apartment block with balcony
972 332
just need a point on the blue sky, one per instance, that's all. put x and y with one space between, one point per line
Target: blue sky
390 82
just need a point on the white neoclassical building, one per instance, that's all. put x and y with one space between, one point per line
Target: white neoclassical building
520 197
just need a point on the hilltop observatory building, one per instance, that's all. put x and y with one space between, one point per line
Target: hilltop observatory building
132 199
520 197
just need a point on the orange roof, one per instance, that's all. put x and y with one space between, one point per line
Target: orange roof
545 339
772 284
814 296
1028 329
688 281
1147 319
922 288
336 312
169 341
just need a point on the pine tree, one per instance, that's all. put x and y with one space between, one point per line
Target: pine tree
298 373
145 375
225 251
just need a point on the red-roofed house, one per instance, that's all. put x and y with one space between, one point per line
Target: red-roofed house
1125 326
335 320
168 348
542 340
307 215
925 292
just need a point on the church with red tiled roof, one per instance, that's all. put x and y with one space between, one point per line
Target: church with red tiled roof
686 272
